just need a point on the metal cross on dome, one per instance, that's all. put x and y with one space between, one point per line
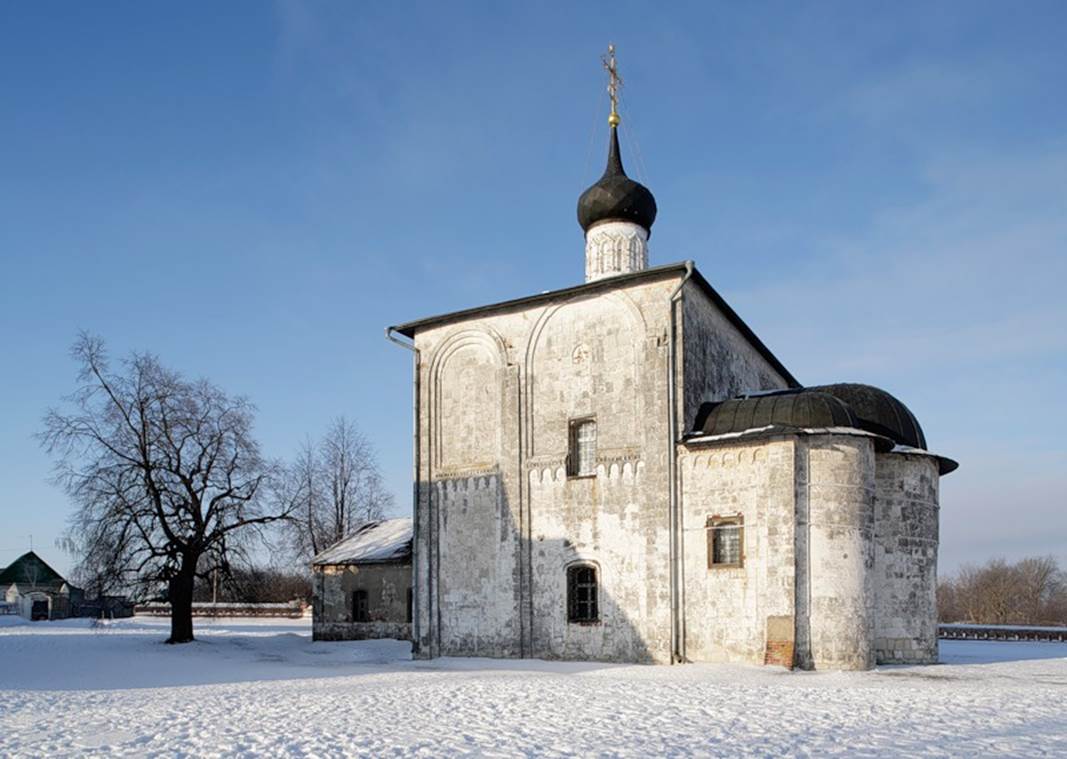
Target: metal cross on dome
614 82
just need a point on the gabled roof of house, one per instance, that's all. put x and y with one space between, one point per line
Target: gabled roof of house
373 543
609 283
30 571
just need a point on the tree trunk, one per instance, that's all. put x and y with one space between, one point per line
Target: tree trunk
180 594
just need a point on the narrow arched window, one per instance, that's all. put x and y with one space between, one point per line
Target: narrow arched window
582 593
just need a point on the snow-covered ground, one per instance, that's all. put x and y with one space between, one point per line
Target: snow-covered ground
261 687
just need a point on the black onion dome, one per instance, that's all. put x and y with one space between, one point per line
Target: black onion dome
792 409
879 412
616 197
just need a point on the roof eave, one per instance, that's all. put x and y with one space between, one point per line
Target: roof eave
700 439
360 562
408 329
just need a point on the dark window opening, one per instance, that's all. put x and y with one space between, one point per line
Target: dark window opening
411 599
581 457
726 542
359 606
582 594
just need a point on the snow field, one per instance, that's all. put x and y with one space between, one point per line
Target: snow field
260 687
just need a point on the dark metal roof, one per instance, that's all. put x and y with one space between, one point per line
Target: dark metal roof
616 197
796 409
879 412
862 407
408 329
30 570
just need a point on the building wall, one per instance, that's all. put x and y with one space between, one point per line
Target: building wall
836 556
604 521
387 587
905 559
718 362
741 614
498 519
840 552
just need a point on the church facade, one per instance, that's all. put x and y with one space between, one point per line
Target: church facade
622 471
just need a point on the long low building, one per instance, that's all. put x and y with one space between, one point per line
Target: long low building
362 584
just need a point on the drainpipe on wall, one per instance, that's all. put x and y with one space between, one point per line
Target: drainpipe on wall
675 549
414 480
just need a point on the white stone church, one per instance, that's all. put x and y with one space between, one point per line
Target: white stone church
622 471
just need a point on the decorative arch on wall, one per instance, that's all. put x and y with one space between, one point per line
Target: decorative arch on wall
546 428
466 399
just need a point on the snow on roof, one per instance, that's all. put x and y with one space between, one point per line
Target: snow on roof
387 540
784 429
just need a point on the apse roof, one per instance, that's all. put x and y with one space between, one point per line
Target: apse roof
840 407
879 412
802 409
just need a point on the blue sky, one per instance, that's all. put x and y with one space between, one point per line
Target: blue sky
254 191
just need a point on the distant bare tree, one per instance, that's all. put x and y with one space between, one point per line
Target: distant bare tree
1043 590
332 488
166 476
1032 591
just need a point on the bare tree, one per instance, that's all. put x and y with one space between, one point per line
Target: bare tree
1032 591
166 476
332 488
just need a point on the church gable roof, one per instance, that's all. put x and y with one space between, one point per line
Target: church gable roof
666 271
30 571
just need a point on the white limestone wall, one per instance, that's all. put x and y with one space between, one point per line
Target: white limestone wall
905 559
615 247
497 519
602 521
716 361
495 532
836 513
478 554
742 614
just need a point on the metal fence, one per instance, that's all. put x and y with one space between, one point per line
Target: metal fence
1002 632
207 609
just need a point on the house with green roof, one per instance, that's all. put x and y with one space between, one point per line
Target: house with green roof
32 589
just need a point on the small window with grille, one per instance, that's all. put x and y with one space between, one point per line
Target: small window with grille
582 594
726 542
359 606
581 460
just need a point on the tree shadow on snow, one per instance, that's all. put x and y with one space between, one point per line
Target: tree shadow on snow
132 654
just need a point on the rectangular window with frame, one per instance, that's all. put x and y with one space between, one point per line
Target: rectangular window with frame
359 606
726 542
581 459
